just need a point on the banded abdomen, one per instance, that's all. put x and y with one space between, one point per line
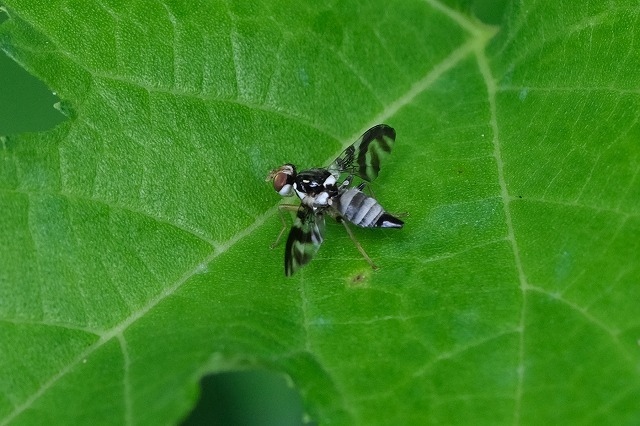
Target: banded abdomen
362 210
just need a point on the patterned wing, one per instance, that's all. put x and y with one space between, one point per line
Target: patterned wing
364 156
304 239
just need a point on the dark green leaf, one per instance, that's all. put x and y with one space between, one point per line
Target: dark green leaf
134 246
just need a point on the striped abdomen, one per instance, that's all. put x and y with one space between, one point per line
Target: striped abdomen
365 211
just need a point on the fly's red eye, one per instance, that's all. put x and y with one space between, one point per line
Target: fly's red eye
280 181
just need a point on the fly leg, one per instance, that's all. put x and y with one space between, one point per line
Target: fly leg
358 246
281 207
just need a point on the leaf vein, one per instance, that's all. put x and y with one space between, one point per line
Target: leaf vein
112 205
126 380
598 209
612 333
122 326
490 83
49 323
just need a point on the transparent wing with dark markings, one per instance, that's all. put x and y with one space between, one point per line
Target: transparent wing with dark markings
304 239
363 158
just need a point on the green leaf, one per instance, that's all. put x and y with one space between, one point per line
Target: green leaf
134 246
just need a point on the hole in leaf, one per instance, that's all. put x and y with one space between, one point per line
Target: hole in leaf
26 104
248 398
488 11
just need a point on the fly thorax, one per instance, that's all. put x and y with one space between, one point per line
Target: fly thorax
318 201
319 184
322 199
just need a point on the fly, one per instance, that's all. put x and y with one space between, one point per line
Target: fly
322 194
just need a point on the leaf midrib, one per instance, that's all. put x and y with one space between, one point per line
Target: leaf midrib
490 84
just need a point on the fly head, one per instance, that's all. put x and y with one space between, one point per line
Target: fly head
283 179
